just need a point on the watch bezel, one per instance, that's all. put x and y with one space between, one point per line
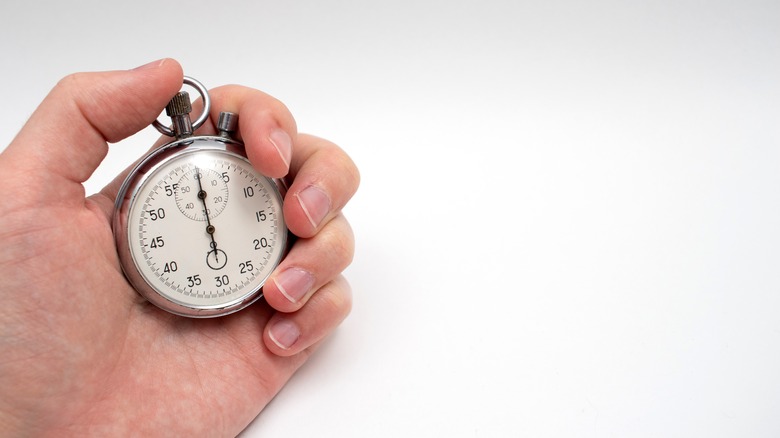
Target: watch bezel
126 196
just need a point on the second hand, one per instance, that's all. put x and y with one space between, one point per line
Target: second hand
209 228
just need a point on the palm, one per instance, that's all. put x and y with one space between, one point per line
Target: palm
127 349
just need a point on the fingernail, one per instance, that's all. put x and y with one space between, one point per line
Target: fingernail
284 333
315 203
282 143
151 65
294 283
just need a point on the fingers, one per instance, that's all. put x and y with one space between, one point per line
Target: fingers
287 334
265 126
323 178
309 304
310 264
65 139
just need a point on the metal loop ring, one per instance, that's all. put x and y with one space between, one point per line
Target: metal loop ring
204 93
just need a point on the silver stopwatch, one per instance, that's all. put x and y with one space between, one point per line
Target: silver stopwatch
198 230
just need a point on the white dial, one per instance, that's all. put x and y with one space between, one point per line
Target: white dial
204 231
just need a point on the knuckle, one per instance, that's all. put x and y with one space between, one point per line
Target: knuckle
348 170
340 242
351 175
335 299
71 83
69 80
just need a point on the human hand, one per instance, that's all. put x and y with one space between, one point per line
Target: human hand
81 351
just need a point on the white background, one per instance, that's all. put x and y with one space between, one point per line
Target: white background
568 220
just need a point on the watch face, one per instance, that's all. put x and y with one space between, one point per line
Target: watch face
204 230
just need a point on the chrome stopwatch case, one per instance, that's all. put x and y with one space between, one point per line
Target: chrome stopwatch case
198 230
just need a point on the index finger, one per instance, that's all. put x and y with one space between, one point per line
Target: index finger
265 126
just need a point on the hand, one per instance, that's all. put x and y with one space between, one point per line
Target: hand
80 351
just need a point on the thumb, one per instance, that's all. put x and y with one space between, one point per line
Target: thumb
64 140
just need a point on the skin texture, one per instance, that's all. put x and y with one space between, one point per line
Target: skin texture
82 352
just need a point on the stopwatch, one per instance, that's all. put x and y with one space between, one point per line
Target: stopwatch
198 230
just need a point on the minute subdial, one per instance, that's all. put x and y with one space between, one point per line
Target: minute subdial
190 186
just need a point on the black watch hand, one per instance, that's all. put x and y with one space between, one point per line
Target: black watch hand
209 228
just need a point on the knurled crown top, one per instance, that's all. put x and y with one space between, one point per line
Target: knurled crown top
179 105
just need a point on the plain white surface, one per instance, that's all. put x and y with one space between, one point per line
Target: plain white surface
568 220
